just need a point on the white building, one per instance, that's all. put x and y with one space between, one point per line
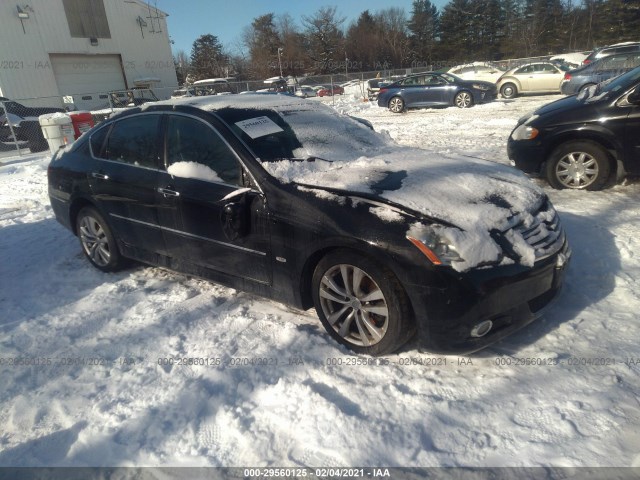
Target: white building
51 50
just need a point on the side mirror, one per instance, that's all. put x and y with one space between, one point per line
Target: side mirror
634 96
235 219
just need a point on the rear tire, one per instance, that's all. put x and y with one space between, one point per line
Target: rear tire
396 105
361 304
579 165
97 241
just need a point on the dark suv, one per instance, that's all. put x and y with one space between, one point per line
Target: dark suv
599 71
626 47
580 141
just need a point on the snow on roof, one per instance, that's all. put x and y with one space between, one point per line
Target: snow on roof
248 100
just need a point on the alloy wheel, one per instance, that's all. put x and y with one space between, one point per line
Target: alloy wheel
396 105
354 305
463 100
94 240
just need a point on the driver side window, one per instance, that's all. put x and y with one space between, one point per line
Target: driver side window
196 150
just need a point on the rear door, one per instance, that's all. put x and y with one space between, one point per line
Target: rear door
204 195
425 90
123 176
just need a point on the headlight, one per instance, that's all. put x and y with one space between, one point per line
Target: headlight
525 132
435 247
479 86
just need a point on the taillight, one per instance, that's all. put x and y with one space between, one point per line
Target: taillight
382 90
567 76
586 62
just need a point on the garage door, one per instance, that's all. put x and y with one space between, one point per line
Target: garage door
88 78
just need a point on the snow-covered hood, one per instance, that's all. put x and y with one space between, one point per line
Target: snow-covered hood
475 196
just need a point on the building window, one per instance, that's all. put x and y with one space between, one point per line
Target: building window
86 18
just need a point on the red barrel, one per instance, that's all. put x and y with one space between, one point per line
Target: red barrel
82 121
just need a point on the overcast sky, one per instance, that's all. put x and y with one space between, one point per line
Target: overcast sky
226 18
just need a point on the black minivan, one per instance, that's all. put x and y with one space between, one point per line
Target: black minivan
580 141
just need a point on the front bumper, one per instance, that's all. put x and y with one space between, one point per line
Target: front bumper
510 297
528 155
486 96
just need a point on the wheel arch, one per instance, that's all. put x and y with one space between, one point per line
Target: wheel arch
357 246
77 205
510 80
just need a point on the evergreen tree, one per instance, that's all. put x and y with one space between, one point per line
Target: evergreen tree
207 58
424 31
364 40
456 37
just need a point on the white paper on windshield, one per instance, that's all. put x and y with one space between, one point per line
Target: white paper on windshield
259 127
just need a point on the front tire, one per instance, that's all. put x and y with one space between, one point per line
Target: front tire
579 165
509 90
463 100
97 240
360 303
396 105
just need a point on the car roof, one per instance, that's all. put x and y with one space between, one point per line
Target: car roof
249 100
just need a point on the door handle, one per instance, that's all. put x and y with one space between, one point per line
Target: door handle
100 176
168 193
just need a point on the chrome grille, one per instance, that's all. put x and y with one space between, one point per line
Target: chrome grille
541 230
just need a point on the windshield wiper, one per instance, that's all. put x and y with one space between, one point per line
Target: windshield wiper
309 159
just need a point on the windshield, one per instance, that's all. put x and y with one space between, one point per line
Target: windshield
302 132
623 82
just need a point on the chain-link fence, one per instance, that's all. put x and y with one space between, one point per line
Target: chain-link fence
20 130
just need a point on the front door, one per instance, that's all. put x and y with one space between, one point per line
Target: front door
209 213
632 140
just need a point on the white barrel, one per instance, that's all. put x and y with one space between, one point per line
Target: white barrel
57 129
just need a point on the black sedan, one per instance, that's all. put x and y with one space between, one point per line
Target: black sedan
291 200
435 89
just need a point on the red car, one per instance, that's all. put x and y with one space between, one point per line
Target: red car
327 91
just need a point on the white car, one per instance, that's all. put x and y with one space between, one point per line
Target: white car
477 71
305 92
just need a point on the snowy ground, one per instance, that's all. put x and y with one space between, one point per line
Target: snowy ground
95 395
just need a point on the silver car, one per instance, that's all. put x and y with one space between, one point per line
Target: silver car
539 77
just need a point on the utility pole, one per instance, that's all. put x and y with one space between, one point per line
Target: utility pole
280 50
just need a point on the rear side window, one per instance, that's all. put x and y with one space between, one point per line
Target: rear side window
134 141
97 142
526 69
